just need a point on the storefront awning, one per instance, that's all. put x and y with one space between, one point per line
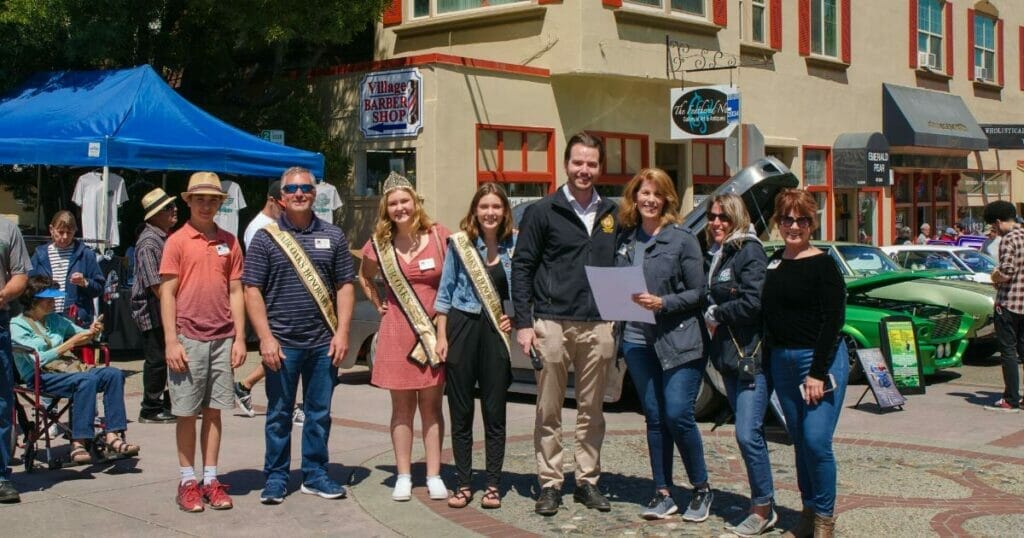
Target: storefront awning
860 160
915 117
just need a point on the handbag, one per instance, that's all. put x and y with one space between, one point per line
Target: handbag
746 364
67 363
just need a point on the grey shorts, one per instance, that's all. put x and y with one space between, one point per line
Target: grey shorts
208 382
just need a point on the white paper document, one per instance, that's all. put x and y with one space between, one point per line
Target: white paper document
613 289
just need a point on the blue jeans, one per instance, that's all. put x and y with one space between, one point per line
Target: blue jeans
811 427
668 399
82 388
6 393
318 375
749 401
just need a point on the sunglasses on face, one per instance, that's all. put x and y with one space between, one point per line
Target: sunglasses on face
802 222
720 216
294 188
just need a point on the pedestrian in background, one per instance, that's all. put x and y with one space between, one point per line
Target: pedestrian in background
472 336
302 320
73 267
408 248
160 215
556 318
203 316
803 305
1008 279
733 316
666 359
991 244
925 235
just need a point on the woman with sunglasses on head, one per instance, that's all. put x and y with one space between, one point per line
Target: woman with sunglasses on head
733 317
666 360
472 335
803 305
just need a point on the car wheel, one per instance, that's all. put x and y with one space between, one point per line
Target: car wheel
709 400
856 372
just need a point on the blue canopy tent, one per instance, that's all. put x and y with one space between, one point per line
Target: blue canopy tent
130 118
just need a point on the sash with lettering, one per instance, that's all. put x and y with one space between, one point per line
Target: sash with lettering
307 273
470 258
425 350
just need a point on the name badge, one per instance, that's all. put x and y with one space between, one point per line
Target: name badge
427 264
322 242
223 250
773 264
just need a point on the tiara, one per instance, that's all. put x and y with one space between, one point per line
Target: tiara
396 181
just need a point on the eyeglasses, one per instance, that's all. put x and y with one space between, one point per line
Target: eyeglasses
802 222
294 188
720 216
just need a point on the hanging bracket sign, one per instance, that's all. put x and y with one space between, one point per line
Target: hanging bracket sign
390 104
704 112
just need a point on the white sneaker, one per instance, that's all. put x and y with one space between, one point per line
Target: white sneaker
438 491
298 417
403 488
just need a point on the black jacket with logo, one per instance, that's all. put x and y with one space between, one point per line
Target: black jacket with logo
548 278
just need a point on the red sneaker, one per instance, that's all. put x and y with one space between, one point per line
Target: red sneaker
189 499
216 495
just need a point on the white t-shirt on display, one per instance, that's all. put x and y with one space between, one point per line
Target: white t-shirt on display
227 215
257 222
327 200
89 196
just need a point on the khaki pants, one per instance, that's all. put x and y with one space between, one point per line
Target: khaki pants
589 347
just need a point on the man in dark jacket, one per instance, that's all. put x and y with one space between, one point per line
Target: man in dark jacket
556 316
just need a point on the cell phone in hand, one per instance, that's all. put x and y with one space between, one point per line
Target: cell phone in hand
830 385
535 360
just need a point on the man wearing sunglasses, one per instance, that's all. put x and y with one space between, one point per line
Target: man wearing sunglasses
302 318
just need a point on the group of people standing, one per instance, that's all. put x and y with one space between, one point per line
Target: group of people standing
446 327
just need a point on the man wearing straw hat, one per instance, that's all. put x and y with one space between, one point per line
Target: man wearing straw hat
203 314
161 214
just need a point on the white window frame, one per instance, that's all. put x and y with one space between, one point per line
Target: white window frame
985 51
432 8
763 6
819 48
665 6
930 36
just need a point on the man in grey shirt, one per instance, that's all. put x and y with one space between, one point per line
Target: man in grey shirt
14 267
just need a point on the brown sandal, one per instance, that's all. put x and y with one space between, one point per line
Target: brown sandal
462 497
491 499
121 448
80 455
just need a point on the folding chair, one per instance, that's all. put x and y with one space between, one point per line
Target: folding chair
43 415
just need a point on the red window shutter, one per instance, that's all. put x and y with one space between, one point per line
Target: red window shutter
1020 53
612 3
804 25
844 36
999 51
775 20
720 12
948 27
970 44
912 30
393 13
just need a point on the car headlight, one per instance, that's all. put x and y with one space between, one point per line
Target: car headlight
940 351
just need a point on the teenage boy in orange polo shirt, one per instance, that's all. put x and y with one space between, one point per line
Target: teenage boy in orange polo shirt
203 313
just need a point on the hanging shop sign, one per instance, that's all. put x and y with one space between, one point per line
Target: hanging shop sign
1003 136
704 112
390 104
860 160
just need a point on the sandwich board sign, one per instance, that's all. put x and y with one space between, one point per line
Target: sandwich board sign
391 104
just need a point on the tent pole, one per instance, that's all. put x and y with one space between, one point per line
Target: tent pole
163 181
104 211
39 196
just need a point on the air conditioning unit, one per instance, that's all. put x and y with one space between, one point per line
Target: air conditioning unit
927 60
981 73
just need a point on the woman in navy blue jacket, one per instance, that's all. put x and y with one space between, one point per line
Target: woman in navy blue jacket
72 265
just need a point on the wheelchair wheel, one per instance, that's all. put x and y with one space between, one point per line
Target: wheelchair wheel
55 464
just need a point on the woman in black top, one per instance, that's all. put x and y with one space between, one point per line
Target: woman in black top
803 304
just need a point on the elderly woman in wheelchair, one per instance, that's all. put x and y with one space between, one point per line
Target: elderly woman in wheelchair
53 337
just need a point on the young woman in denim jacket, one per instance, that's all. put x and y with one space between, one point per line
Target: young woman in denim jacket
666 360
472 348
733 317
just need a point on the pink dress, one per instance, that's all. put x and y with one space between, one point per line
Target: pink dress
392 367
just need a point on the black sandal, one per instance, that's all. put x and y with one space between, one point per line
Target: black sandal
461 499
492 499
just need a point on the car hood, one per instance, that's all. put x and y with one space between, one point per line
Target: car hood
866 284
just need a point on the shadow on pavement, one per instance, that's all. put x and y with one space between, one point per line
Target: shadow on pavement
245 481
981 397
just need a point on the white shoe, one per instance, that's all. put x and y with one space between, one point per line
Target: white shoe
438 491
403 488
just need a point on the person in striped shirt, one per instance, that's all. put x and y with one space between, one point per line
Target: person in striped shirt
72 265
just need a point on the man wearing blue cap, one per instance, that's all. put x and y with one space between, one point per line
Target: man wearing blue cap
14 267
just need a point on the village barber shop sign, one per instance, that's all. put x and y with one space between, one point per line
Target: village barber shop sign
391 104
704 112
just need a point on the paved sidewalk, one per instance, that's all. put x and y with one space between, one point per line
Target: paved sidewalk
941 467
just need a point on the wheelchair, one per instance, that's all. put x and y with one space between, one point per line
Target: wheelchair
34 415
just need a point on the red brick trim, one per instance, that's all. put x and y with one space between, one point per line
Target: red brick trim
393 13
429 59
912 31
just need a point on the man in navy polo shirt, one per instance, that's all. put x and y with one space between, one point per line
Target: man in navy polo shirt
295 334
